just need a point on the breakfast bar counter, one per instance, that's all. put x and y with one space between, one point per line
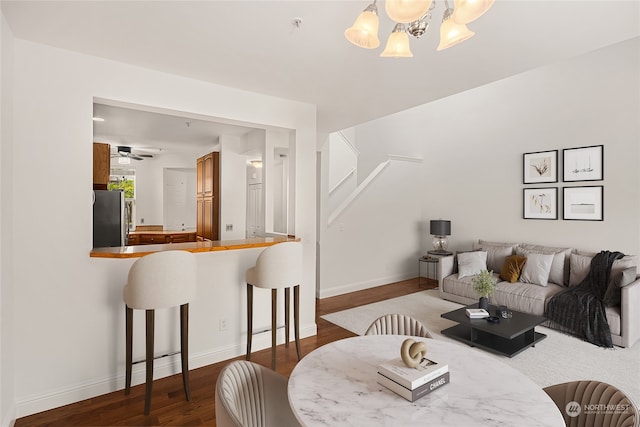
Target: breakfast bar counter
206 246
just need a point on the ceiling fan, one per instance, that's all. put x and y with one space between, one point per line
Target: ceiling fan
124 151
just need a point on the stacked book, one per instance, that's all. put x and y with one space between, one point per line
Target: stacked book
413 383
477 313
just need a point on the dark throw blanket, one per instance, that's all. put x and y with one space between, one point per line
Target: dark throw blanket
581 310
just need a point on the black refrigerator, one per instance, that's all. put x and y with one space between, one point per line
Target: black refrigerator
109 221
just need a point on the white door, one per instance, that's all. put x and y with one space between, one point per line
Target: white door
254 210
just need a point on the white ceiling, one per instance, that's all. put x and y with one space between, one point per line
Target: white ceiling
254 45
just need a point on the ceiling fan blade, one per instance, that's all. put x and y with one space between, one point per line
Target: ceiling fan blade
134 157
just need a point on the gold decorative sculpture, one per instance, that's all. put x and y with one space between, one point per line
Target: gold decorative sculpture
412 352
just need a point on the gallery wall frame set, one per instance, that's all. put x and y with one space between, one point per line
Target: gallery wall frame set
583 203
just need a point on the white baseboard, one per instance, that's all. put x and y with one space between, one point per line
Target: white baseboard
9 420
162 368
367 284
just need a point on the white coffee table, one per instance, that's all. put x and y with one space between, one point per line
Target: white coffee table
335 385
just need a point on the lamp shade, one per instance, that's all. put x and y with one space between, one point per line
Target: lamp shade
466 11
440 227
451 34
364 32
406 11
397 44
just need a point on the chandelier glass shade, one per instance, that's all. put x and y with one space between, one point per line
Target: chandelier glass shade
466 11
364 32
416 14
405 11
397 44
452 34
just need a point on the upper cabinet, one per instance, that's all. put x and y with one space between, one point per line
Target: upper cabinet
101 165
208 196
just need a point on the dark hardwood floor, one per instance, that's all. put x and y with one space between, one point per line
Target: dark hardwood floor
168 405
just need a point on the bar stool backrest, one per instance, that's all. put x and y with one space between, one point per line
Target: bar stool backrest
278 266
161 280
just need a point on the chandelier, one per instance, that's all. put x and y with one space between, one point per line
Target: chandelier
412 17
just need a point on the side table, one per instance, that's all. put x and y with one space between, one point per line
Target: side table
432 259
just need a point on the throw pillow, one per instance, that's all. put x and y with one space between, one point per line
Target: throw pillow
536 269
555 269
471 263
579 268
512 268
613 295
556 274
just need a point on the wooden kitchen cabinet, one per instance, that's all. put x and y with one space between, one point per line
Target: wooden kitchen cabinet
208 197
101 165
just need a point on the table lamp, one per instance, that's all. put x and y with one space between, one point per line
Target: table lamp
440 229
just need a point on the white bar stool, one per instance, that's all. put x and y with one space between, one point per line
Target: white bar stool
159 280
277 267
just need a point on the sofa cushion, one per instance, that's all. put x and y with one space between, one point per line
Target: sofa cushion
512 268
462 286
517 296
524 297
580 265
496 256
536 269
557 271
471 263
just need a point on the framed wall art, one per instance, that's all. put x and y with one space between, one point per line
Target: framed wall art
541 166
583 203
583 163
540 203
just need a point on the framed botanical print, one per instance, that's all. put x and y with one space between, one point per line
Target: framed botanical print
583 163
583 203
540 203
541 166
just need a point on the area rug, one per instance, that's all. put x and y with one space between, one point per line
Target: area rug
556 359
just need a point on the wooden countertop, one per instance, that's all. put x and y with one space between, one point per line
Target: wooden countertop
164 232
208 246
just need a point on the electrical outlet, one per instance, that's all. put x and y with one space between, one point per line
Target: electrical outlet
229 227
222 325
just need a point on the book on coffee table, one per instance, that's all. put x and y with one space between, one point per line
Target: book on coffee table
412 378
416 393
476 313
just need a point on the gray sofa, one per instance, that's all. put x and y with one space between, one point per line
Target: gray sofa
568 267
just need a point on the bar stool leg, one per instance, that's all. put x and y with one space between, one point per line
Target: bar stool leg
287 298
274 312
149 361
296 317
249 319
184 348
128 348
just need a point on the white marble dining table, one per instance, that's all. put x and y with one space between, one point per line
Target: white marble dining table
335 385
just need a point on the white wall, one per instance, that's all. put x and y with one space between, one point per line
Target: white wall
473 145
68 306
7 333
150 188
233 187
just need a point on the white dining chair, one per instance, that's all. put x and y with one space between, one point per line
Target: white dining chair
277 267
398 324
155 281
250 395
